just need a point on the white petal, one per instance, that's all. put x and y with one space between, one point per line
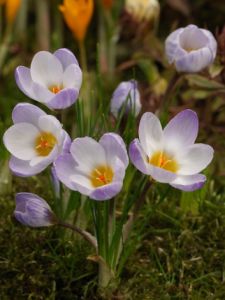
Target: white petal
20 140
189 183
82 183
150 133
45 160
195 159
46 69
50 124
72 77
88 153
172 43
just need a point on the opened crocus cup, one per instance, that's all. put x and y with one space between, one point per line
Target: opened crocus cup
35 140
33 211
191 49
53 79
170 155
126 94
95 169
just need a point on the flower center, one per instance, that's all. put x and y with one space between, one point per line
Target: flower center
55 88
44 143
101 175
164 161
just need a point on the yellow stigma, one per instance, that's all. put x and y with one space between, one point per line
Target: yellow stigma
164 161
101 175
44 143
55 88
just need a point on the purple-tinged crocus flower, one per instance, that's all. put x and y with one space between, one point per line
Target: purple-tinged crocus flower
170 155
191 49
35 140
53 79
126 94
95 169
33 211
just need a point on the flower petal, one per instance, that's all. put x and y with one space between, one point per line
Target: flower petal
195 159
23 168
27 113
181 131
171 44
33 211
194 61
65 98
19 139
66 57
65 168
114 147
24 81
72 77
138 157
189 183
150 133
50 124
88 153
46 69
106 192
81 183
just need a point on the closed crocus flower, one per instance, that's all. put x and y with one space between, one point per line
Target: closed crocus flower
143 10
126 94
191 49
171 155
11 8
35 140
77 14
33 211
53 79
95 169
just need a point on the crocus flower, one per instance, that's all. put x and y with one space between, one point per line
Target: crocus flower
11 8
126 94
94 169
143 10
170 155
35 140
33 211
53 79
191 49
77 14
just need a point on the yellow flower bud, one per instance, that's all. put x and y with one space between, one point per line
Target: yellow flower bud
12 7
143 10
77 15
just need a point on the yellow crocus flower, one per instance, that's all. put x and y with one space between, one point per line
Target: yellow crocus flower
11 7
77 14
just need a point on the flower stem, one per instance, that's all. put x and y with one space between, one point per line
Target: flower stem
83 57
86 235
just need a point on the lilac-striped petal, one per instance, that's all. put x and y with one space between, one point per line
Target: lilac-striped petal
66 57
72 77
41 93
212 44
23 168
189 183
27 113
66 142
150 133
194 61
181 131
33 211
65 98
46 69
106 192
138 157
114 147
171 44
195 159
24 81
65 167
161 175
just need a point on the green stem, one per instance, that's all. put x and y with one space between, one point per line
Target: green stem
43 24
83 56
86 235
5 45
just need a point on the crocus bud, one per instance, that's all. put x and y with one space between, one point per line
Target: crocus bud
126 94
12 7
191 49
33 211
77 14
143 10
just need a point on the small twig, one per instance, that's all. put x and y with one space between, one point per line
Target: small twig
86 235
